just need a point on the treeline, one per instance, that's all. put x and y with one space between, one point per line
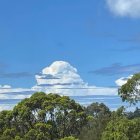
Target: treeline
54 117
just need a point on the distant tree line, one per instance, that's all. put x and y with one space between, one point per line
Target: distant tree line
54 117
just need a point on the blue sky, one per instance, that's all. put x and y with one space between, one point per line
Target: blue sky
102 45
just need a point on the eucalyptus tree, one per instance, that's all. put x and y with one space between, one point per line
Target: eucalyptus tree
122 129
43 117
99 115
130 91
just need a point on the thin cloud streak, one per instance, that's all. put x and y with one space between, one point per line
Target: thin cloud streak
117 69
15 75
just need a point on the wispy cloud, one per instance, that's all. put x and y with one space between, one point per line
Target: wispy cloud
116 69
129 49
133 39
15 75
3 66
128 8
126 49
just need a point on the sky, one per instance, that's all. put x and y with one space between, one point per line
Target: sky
100 39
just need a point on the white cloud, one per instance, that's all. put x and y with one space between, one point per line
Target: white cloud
13 96
10 96
59 72
6 106
129 8
7 92
5 86
123 80
62 78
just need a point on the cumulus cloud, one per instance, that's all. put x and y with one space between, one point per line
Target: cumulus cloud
123 80
129 8
59 73
62 78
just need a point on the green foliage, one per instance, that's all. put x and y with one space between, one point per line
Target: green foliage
132 115
97 121
69 138
54 117
122 129
18 138
43 117
130 92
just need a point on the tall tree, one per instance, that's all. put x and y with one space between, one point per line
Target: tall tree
130 91
99 117
43 117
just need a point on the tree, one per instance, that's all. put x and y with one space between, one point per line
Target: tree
130 91
98 109
99 117
122 128
132 115
43 117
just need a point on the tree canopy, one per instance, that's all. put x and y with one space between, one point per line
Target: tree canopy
54 117
43 117
130 91
122 129
99 115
